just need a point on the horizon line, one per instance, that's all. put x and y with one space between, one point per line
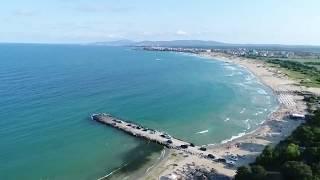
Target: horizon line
139 41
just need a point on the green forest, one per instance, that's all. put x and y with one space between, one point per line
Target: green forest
296 158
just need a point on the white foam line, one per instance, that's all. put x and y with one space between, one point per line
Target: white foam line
163 152
202 132
233 137
210 144
262 91
247 123
112 172
230 75
244 133
258 80
147 171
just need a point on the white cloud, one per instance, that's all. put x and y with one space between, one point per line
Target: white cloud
24 13
181 33
101 9
114 36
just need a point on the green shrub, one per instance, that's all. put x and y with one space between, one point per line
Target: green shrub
293 170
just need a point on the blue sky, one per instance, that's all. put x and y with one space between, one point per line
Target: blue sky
234 21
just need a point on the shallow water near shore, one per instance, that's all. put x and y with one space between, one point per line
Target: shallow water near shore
48 93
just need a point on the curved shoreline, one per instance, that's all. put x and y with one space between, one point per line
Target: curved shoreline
250 75
248 146
226 60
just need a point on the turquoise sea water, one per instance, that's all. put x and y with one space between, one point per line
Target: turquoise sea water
47 93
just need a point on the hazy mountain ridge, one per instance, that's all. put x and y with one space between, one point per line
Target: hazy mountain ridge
204 44
123 42
181 43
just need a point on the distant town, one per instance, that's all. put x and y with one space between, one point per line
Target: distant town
245 52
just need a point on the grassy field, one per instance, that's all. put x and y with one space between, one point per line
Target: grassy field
304 79
302 60
315 64
312 62
306 71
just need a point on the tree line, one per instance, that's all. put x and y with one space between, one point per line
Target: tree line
295 158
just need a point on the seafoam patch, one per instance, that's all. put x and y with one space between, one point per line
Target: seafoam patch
202 132
230 75
258 113
243 110
232 68
233 137
262 91
247 122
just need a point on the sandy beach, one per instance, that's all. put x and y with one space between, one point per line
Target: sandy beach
242 150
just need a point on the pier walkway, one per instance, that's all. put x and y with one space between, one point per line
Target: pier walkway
153 135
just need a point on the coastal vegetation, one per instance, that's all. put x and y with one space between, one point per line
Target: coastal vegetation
315 64
312 63
306 74
295 158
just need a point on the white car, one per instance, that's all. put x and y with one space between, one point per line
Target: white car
234 158
230 163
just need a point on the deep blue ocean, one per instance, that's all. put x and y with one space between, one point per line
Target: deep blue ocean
48 92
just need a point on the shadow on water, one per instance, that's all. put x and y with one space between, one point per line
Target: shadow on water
136 158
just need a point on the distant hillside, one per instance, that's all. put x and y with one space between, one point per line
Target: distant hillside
175 43
181 43
116 43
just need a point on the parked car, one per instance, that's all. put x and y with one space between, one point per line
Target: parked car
230 163
233 158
